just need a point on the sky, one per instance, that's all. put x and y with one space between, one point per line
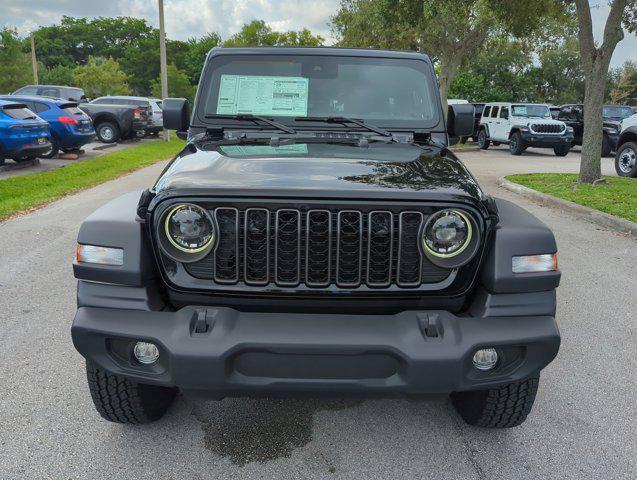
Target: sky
194 18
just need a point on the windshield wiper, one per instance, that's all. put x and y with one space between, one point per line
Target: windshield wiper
360 123
255 118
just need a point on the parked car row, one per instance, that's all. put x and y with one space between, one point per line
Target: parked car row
523 125
66 120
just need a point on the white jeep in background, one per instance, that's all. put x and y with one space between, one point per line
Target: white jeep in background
626 151
523 125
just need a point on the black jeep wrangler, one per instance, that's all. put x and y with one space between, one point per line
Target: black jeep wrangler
316 237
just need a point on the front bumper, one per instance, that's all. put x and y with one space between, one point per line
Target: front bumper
255 354
544 140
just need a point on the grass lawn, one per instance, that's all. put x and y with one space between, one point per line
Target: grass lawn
618 198
25 192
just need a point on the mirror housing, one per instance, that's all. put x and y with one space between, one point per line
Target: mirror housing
460 121
176 115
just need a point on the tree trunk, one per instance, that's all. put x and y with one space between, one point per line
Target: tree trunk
595 62
590 164
448 70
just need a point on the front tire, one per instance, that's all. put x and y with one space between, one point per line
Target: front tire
626 160
503 407
516 144
562 150
120 400
107 132
483 141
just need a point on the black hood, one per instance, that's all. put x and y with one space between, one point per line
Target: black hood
389 171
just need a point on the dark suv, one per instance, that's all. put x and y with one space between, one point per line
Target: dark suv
315 236
573 116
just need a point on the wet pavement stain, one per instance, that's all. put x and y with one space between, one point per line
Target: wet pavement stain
260 430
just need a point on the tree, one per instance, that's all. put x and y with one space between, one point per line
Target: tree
626 87
451 31
501 71
58 75
559 79
257 33
178 84
74 40
595 62
16 65
100 77
198 48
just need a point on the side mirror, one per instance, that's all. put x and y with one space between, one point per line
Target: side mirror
460 122
176 115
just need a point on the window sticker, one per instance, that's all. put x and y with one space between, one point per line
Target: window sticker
247 94
244 150
519 110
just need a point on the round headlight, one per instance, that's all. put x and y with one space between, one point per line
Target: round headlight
189 228
447 234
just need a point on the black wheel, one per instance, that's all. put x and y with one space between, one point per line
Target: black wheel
141 133
107 132
52 152
562 150
626 160
483 141
120 400
516 144
503 407
606 149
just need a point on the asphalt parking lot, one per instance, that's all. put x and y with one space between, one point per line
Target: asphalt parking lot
583 424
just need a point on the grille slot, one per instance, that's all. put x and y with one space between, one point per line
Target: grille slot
547 128
287 239
256 246
318 248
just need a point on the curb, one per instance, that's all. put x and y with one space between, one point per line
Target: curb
105 146
604 220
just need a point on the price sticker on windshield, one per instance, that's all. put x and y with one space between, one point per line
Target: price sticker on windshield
257 95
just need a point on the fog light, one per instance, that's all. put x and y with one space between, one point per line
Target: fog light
146 352
485 359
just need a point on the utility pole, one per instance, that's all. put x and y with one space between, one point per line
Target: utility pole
34 62
162 59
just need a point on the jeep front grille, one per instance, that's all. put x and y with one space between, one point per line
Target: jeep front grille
547 128
318 248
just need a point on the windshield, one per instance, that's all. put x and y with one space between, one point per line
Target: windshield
387 92
531 111
617 112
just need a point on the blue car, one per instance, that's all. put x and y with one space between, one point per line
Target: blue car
23 135
70 127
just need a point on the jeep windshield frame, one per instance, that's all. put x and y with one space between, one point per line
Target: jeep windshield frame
340 83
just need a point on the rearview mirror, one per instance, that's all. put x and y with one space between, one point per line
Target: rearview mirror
176 115
460 122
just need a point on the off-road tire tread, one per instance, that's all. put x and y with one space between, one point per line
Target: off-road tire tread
120 400
503 407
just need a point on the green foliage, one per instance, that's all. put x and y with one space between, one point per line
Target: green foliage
179 85
74 40
257 33
16 68
618 197
626 88
58 75
560 78
24 192
198 48
100 77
